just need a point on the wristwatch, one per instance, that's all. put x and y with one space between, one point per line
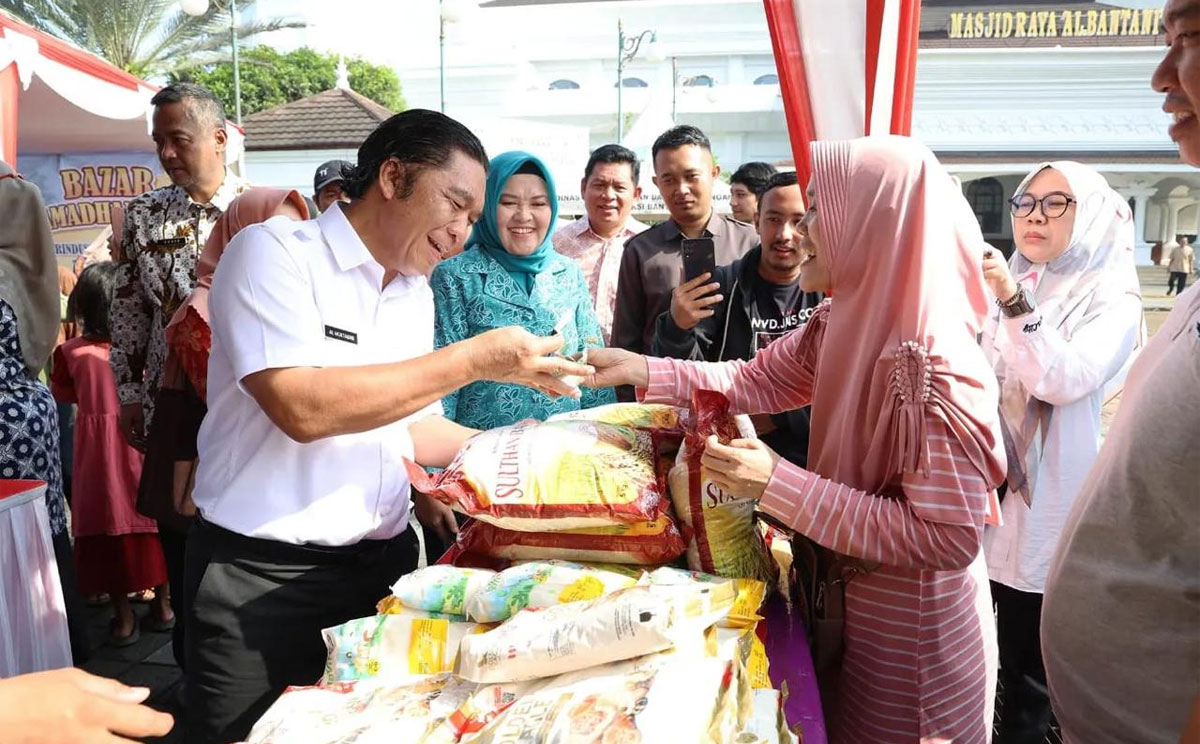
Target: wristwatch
1017 305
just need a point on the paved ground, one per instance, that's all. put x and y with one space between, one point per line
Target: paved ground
149 662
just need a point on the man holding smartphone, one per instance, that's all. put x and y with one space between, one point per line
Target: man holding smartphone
652 264
739 309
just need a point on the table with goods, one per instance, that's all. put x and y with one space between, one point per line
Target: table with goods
603 591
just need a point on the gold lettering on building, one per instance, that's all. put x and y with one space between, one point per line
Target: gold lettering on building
1048 24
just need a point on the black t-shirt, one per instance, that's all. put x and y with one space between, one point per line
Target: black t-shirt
777 310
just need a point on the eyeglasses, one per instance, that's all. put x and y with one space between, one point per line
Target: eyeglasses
1054 204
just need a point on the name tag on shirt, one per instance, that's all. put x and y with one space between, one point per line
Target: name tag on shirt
166 245
337 334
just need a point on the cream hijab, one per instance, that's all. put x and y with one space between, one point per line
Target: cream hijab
1094 273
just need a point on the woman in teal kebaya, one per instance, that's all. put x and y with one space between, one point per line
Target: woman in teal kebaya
510 274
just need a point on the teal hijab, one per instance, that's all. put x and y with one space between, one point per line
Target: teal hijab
486 235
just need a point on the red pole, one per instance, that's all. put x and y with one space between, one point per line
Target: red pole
10 89
906 66
789 62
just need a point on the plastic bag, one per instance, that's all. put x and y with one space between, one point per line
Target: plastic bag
443 589
391 605
540 585
551 476
723 538
363 713
750 593
652 700
628 623
640 544
392 647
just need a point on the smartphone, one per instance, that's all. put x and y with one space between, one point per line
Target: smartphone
699 256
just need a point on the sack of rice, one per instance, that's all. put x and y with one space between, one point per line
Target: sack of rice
655 699
564 638
640 543
654 417
539 585
444 589
389 647
723 538
550 476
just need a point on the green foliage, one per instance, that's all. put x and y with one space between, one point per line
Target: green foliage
149 38
270 78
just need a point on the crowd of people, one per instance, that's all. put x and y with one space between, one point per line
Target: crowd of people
248 374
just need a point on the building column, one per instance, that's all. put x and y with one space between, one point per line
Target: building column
1141 197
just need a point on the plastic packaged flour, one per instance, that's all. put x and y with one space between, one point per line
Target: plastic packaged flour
363 713
550 476
392 647
438 709
541 585
444 589
626 624
642 701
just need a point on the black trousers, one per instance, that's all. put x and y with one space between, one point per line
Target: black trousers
77 615
256 609
174 544
1025 718
1177 279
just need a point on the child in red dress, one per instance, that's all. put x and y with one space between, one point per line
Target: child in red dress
116 549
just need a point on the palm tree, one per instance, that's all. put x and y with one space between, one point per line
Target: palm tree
148 38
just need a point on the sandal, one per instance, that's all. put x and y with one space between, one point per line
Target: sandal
155 625
117 641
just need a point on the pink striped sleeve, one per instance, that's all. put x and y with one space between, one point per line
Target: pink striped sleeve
938 525
778 379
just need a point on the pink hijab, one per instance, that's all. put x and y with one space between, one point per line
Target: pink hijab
188 334
903 249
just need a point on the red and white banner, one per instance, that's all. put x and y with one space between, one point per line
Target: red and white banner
57 99
846 68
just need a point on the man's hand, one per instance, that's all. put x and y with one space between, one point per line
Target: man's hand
435 516
691 302
133 426
70 706
617 367
515 355
997 276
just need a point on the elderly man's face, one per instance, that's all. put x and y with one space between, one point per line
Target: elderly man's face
1178 76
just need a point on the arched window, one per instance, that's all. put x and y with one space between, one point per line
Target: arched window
564 84
770 79
700 81
632 82
986 197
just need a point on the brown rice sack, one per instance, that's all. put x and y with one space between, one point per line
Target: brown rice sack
723 538
640 544
551 476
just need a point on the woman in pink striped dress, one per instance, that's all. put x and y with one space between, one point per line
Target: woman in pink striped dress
904 450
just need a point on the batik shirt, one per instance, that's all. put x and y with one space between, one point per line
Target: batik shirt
164 232
600 261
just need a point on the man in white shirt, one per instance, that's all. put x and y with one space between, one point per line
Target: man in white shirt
597 240
322 379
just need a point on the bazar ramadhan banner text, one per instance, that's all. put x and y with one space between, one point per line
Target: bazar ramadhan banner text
80 190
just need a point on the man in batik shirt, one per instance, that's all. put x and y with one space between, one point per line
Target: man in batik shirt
163 235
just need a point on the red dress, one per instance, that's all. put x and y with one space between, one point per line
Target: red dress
116 549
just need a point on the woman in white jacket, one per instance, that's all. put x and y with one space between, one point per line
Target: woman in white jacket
1068 322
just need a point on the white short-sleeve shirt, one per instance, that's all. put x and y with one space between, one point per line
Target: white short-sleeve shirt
305 294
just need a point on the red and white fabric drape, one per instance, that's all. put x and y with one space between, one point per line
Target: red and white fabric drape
846 68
